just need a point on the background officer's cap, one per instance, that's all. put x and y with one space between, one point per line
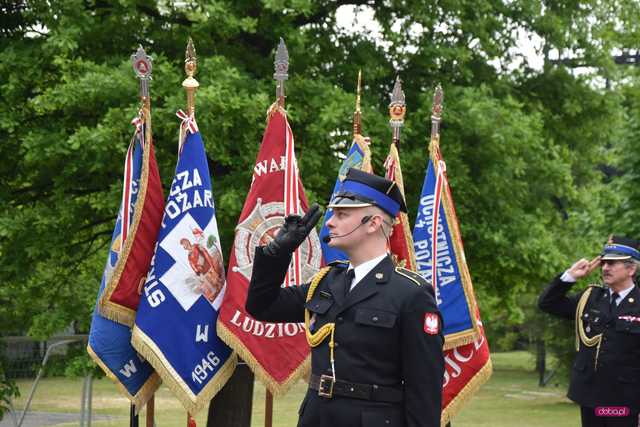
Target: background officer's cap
621 248
360 189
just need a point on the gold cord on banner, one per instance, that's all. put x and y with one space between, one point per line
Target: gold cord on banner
142 66
470 335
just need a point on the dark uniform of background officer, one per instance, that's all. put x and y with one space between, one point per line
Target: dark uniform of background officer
606 373
386 333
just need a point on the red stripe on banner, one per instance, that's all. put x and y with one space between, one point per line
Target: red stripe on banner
278 356
390 166
291 200
126 191
434 231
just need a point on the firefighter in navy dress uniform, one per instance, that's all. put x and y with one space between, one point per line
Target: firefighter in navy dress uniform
605 379
374 329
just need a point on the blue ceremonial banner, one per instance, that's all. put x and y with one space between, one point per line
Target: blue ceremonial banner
359 158
110 342
444 264
175 327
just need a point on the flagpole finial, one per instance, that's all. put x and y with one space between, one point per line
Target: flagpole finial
281 65
436 111
357 116
142 67
190 84
397 110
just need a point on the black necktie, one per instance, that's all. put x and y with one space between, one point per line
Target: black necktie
348 280
612 303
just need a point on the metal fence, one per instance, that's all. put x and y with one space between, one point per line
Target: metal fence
27 359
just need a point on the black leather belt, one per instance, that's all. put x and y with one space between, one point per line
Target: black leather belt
327 387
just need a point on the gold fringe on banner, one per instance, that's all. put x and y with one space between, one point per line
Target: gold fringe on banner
456 404
275 107
276 388
107 308
408 237
142 396
191 403
469 335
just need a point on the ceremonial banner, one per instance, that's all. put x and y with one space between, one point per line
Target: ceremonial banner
440 255
110 342
440 259
141 213
467 367
175 324
400 242
277 353
359 157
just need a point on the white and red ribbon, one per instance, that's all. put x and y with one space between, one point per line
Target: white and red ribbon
188 122
292 204
137 121
441 179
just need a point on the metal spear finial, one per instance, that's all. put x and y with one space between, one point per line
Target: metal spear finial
436 111
357 116
190 84
397 110
281 65
142 67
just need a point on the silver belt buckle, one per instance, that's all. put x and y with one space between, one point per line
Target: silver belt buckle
325 388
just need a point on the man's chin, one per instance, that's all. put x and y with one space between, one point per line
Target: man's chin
335 244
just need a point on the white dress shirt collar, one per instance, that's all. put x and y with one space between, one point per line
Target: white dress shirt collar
621 295
364 269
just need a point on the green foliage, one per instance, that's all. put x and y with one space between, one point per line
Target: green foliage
8 387
542 163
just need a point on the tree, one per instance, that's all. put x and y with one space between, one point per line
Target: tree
526 148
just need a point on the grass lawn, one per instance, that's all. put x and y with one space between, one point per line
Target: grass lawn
510 398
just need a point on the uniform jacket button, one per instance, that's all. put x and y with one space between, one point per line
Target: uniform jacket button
374 318
340 319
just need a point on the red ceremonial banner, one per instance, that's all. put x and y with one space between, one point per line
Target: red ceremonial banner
467 367
121 296
277 353
401 241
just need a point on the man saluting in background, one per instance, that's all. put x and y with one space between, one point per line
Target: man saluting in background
605 379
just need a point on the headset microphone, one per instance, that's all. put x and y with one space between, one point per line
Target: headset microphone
363 221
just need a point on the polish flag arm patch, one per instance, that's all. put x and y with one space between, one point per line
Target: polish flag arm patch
431 323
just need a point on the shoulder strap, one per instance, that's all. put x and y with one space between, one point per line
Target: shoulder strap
411 275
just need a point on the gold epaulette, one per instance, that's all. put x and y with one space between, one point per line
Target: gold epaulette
412 275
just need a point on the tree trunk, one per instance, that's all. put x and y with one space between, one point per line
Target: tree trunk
231 407
541 362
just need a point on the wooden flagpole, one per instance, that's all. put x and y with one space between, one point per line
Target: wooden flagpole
281 68
150 411
190 85
357 115
142 67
